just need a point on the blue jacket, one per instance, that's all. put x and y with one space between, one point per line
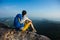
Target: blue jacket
17 24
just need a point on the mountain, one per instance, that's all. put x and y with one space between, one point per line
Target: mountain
7 33
45 27
48 28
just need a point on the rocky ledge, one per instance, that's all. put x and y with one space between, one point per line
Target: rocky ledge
7 33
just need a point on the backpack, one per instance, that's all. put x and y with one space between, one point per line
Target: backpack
17 24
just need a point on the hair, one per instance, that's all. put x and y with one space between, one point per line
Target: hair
24 13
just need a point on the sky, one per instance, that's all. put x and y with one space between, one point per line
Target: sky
48 9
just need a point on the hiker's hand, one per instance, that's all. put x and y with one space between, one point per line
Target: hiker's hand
30 21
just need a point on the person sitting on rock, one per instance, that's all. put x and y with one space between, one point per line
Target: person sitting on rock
22 22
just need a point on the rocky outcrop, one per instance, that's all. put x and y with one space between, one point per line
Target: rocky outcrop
11 34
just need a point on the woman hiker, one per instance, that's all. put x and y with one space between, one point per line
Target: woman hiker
22 22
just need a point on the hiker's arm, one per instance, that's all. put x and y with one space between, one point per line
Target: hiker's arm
19 19
24 19
28 19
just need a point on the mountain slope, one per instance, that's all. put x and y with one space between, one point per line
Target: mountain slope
7 33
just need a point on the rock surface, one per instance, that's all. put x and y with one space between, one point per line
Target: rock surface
9 34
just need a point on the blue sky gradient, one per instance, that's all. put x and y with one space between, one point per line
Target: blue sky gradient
48 9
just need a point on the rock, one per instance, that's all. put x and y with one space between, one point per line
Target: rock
11 34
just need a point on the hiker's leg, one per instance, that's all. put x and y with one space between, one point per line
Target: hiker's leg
27 26
33 28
